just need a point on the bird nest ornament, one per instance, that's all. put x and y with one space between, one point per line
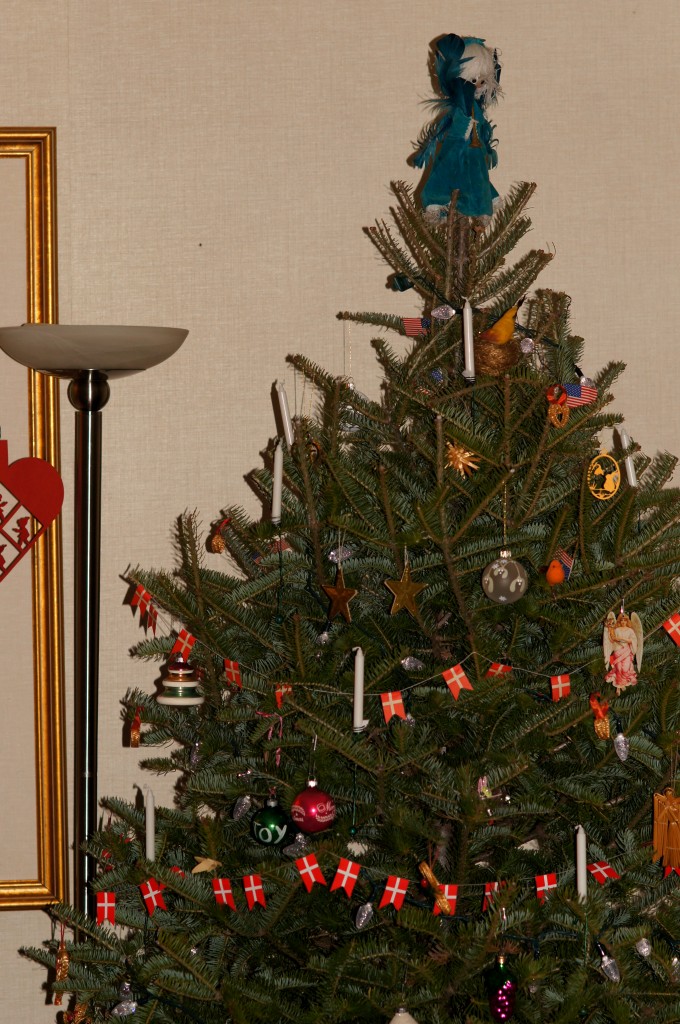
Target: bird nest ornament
494 360
497 349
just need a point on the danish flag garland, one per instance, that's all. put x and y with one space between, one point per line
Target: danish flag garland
392 701
395 889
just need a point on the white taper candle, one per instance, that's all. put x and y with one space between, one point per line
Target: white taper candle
287 422
581 858
359 722
628 461
150 823
468 343
277 483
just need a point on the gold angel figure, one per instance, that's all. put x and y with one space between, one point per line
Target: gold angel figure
666 838
623 642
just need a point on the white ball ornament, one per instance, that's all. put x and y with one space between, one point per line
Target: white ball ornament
505 580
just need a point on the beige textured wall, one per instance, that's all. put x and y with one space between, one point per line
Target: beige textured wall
216 162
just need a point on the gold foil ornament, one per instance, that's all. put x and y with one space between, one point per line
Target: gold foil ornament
439 897
217 543
601 713
62 964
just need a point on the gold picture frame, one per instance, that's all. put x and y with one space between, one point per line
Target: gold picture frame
34 149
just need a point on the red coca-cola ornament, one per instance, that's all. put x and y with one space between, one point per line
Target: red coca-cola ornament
312 809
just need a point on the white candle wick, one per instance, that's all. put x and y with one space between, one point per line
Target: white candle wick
287 422
277 484
359 722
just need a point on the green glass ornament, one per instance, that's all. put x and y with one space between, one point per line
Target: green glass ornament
271 825
501 985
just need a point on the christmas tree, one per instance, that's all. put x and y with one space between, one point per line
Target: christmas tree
423 768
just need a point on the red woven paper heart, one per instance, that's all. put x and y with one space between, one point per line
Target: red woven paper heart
31 495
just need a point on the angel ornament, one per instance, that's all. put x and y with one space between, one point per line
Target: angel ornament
622 640
666 836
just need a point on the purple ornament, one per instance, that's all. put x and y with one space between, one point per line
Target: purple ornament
502 988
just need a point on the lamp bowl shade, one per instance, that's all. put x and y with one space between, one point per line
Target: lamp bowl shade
67 350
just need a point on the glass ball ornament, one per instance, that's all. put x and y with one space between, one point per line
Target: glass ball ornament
127 1005
504 580
270 825
313 810
402 1016
501 985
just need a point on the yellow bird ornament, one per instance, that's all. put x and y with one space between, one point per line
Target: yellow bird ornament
503 329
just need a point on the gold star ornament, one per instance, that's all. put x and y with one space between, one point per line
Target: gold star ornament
405 592
340 596
461 459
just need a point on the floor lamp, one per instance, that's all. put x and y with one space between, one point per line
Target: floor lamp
89 357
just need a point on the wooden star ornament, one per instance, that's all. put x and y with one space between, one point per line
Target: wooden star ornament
340 596
205 864
405 592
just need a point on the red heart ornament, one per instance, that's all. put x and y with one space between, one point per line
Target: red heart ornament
31 495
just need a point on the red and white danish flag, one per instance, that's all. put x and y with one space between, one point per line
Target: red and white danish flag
544 883
310 872
393 704
669 871
672 627
232 672
456 680
346 876
451 894
252 886
141 599
601 871
395 891
497 669
106 907
183 644
152 891
560 686
223 893
282 691
490 890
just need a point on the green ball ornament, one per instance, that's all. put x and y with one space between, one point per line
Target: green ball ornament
271 825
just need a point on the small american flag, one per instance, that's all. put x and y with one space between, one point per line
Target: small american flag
579 394
566 561
415 326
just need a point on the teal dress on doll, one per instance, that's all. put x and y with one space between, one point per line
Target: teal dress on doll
458 147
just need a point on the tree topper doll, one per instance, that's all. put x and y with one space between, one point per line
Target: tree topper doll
458 145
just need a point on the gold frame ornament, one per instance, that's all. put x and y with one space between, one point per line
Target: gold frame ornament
604 476
36 148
